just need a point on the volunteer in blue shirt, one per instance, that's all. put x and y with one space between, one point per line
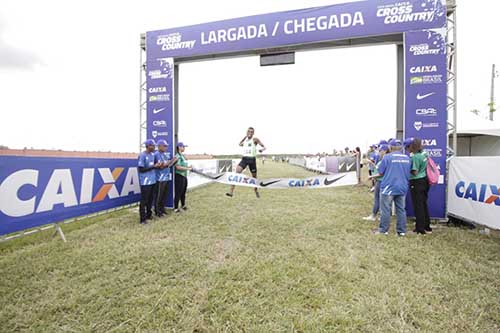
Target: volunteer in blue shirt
376 176
147 180
163 176
407 143
373 157
395 169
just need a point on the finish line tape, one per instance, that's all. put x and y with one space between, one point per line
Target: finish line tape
325 181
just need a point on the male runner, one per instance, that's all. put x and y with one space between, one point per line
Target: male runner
249 144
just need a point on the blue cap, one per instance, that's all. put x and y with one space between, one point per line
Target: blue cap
408 141
383 142
395 143
181 144
384 148
150 142
162 142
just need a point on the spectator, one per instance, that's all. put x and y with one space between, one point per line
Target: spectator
395 169
181 182
357 155
163 176
419 187
407 143
377 178
147 180
373 158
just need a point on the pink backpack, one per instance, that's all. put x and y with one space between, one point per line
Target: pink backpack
432 172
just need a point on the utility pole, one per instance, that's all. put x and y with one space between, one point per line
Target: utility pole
494 74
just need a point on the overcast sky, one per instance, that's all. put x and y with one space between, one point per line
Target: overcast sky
69 79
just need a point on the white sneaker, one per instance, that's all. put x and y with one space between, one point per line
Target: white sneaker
370 217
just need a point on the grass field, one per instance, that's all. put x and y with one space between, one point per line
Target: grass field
293 261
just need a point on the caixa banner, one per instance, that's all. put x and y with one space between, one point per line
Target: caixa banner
40 190
474 190
425 104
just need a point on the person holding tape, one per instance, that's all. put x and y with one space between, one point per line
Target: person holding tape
249 144
181 181
147 180
163 176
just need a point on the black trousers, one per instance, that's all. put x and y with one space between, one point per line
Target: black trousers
146 203
181 184
419 189
161 197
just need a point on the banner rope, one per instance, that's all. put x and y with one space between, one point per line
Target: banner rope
320 181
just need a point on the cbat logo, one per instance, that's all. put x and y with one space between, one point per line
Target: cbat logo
484 193
159 123
241 179
429 112
60 189
304 182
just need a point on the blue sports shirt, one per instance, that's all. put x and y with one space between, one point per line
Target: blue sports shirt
147 160
396 168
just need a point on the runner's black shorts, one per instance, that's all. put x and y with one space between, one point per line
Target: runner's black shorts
250 162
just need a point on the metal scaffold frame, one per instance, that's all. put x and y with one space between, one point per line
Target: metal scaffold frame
451 46
142 91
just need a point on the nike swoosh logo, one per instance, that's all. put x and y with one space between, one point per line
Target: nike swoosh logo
330 182
269 183
349 166
155 111
421 97
216 177
341 166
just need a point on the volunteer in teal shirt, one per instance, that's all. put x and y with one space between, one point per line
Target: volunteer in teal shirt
419 187
181 182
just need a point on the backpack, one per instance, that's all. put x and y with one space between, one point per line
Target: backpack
432 172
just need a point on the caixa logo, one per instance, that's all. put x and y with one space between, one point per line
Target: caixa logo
429 142
304 182
24 192
484 193
241 179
